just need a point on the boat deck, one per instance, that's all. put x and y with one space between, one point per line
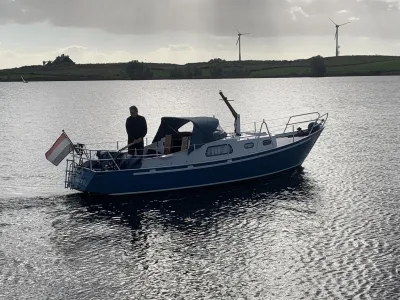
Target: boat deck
281 139
286 140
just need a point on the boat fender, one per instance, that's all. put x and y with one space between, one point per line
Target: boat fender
313 127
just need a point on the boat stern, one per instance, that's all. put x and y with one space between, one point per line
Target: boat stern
77 177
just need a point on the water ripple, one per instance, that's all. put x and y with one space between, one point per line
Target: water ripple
328 231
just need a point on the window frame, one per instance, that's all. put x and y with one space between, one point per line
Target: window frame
228 146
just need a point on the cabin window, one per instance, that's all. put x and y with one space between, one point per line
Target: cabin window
219 150
267 142
248 145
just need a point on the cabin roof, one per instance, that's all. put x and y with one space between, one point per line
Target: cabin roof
203 128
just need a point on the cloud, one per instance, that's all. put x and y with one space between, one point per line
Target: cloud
8 54
180 48
395 5
180 53
79 54
177 53
300 1
295 10
263 18
353 19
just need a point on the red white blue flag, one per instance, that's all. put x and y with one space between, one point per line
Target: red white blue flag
61 148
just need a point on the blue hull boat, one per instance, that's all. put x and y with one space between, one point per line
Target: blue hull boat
205 156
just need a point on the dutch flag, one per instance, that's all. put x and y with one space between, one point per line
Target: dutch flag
61 148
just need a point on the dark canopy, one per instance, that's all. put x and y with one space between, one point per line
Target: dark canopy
204 128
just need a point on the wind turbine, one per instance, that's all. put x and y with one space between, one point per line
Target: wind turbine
337 35
238 41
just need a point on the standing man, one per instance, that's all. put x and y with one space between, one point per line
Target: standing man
136 128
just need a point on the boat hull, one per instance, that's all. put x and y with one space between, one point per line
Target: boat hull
124 182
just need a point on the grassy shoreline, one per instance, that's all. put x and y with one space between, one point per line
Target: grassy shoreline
335 67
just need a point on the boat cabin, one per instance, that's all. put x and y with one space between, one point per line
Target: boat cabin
170 140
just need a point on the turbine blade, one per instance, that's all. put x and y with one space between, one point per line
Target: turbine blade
245 33
344 23
332 21
237 41
236 29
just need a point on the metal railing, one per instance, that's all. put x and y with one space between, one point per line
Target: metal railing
83 157
303 121
247 128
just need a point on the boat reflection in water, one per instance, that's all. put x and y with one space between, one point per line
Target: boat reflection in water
176 207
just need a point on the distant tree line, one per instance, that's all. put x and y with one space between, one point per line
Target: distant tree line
185 72
138 70
63 68
317 66
214 68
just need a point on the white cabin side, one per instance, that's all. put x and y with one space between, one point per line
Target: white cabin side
223 149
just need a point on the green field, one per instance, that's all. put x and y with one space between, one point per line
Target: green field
335 66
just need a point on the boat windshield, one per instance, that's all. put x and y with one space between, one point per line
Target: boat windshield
219 133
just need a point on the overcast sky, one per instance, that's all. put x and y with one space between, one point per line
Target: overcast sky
181 31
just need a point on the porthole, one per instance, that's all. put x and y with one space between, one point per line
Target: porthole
248 145
267 142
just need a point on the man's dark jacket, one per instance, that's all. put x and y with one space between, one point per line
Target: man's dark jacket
136 127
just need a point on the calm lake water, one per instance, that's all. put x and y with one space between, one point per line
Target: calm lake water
328 231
